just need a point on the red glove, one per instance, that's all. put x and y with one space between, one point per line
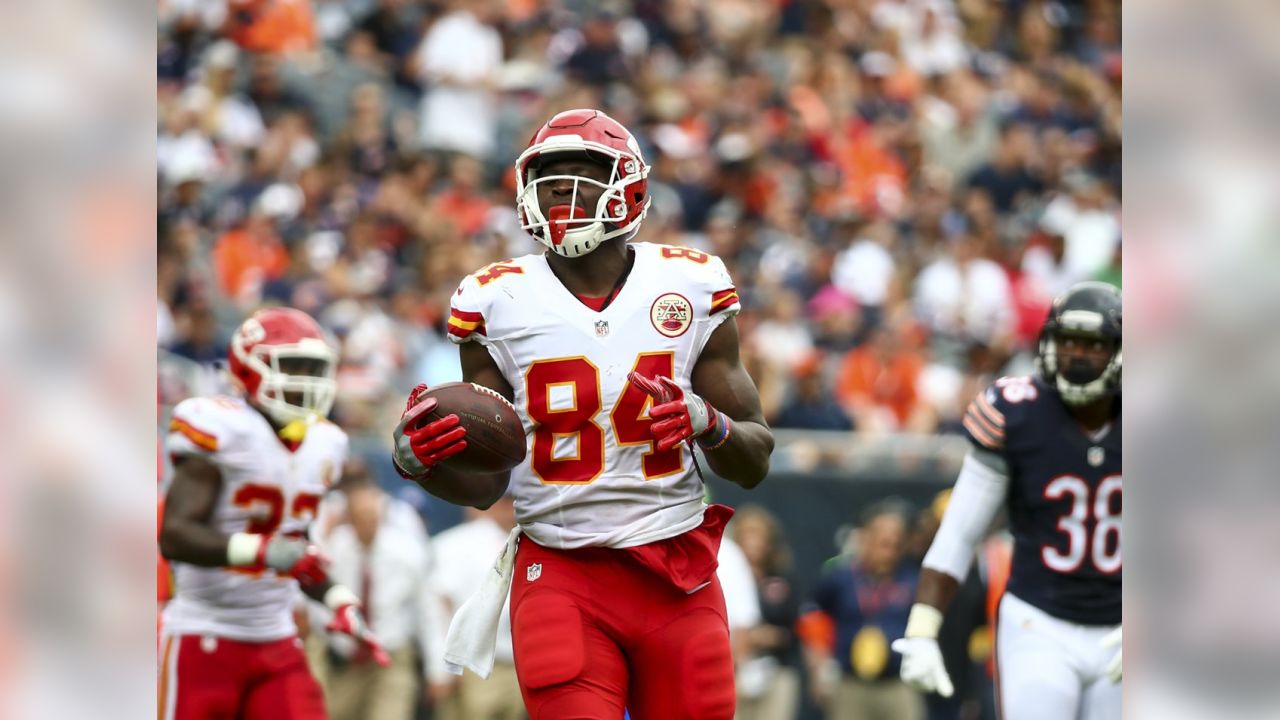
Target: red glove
348 620
418 449
679 416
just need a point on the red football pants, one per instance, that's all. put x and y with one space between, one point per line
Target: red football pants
596 632
210 678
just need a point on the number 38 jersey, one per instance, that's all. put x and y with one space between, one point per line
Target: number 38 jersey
266 489
592 476
1064 501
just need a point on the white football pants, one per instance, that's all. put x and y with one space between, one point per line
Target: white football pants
1051 669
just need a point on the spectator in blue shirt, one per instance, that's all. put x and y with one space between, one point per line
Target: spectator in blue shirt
811 406
867 596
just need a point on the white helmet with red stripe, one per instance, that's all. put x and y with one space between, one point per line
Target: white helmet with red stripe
286 363
625 197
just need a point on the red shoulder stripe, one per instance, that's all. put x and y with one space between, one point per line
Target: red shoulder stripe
723 300
466 315
203 439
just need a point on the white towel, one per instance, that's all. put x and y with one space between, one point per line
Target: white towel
473 633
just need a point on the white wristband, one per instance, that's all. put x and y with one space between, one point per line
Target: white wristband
339 595
242 549
924 621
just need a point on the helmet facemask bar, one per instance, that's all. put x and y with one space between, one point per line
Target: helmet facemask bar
314 394
580 235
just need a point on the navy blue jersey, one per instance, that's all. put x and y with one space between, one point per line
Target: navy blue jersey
868 612
1064 503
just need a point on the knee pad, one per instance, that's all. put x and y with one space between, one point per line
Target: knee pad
709 692
547 636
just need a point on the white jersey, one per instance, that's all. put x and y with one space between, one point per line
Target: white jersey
266 489
592 475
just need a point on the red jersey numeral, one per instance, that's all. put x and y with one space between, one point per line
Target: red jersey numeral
697 256
489 273
305 505
262 495
583 381
629 417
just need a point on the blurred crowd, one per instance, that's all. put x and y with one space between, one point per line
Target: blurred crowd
897 186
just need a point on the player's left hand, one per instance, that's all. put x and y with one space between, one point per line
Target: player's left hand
418 449
1115 668
348 620
679 416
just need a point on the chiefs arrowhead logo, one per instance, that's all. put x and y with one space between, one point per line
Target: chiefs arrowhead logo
671 314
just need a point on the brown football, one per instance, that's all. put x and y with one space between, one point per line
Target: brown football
495 436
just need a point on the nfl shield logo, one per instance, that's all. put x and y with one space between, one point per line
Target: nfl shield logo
1096 456
602 328
533 572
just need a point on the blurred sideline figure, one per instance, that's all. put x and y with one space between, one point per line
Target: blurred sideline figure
463 554
768 681
389 566
741 607
1047 447
249 473
867 597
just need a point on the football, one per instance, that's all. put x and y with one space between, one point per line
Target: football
495 435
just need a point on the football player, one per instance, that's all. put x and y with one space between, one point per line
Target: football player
1047 448
249 473
620 357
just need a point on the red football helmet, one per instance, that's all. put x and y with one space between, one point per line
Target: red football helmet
286 364
626 195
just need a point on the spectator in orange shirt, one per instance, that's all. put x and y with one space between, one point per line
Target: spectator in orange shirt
247 256
464 202
873 176
876 383
272 26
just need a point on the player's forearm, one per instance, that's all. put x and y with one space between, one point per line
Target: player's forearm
934 594
193 543
471 489
743 458
936 589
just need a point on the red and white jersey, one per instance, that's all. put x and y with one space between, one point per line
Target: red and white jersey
266 489
592 475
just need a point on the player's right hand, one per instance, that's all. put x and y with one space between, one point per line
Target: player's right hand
418 449
349 620
295 557
922 666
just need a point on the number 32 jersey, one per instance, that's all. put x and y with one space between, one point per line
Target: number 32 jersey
592 476
1064 502
266 489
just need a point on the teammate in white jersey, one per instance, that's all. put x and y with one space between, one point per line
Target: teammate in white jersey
619 357
249 473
